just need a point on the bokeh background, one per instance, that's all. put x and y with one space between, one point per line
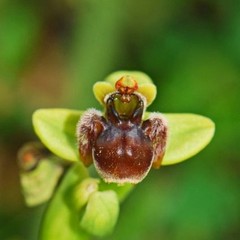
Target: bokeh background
51 52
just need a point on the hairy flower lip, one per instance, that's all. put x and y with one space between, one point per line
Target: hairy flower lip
188 133
121 145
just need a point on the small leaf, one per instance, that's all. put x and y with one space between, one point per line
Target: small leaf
56 129
188 135
101 213
61 217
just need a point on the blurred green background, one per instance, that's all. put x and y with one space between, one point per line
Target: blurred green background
51 52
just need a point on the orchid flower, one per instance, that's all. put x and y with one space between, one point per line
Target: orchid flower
123 142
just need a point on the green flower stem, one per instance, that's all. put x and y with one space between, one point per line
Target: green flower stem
61 218
78 208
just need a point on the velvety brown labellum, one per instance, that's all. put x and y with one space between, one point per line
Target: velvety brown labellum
123 153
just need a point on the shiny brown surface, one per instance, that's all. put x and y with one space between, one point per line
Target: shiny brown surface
123 153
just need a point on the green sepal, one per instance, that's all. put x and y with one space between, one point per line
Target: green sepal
56 129
142 78
188 134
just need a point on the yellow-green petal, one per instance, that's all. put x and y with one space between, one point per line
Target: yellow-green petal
101 89
145 85
149 91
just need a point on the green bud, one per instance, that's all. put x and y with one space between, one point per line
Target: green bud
40 172
83 191
101 213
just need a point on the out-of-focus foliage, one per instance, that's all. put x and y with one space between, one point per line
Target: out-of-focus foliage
51 53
